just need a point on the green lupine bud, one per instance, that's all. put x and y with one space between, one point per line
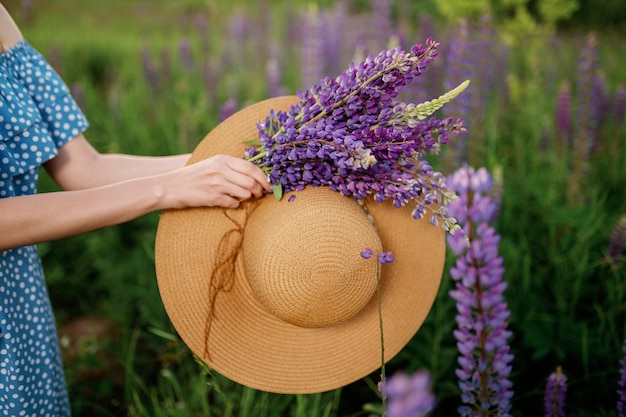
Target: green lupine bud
425 109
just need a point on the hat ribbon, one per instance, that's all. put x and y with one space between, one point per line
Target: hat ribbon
223 273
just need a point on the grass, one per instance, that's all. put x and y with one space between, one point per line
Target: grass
567 302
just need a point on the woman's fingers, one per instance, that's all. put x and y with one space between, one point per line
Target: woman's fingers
226 181
249 171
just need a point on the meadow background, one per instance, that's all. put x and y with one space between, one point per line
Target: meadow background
545 112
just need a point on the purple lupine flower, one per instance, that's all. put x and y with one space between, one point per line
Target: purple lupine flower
385 258
202 25
472 55
79 96
239 29
482 313
149 70
409 395
312 48
274 75
621 392
458 69
562 122
556 390
601 104
367 253
335 38
228 109
185 54
349 133
586 128
617 242
381 22
209 78
485 45
619 106
55 59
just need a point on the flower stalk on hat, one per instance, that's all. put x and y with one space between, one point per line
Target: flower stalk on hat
351 133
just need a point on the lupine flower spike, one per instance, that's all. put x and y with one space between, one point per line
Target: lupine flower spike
621 392
349 133
617 242
556 390
586 129
484 360
410 395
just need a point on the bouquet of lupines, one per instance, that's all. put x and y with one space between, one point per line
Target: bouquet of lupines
351 133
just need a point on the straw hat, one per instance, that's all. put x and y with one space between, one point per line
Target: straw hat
275 294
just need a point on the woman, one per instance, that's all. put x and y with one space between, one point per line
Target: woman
41 125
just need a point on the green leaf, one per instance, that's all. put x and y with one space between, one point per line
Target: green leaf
278 191
253 142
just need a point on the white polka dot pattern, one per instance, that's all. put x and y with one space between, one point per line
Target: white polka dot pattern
37 116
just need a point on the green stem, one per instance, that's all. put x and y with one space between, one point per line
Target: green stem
258 156
383 378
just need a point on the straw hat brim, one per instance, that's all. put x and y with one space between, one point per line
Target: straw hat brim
255 348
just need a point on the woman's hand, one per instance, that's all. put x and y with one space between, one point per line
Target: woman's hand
220 180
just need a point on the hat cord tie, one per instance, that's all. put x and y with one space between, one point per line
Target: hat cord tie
223 274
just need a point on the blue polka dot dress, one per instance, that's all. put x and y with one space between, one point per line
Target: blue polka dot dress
37 117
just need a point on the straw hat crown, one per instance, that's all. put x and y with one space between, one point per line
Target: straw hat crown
304 266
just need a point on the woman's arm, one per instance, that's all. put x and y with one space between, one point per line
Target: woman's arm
136 186
79 166
9 32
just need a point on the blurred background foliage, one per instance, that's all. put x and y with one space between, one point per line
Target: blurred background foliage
544 115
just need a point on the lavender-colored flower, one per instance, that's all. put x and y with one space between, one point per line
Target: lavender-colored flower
349 133
381 22
471 55
79 96
239 27
409 395
202 25
385 258
482 313
185 54
335 37
312 50
619 106
617 242
367 253
149 70
458 69
228 109
562 117
273 73
239 30
586 128
621 402
55 59
556 390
